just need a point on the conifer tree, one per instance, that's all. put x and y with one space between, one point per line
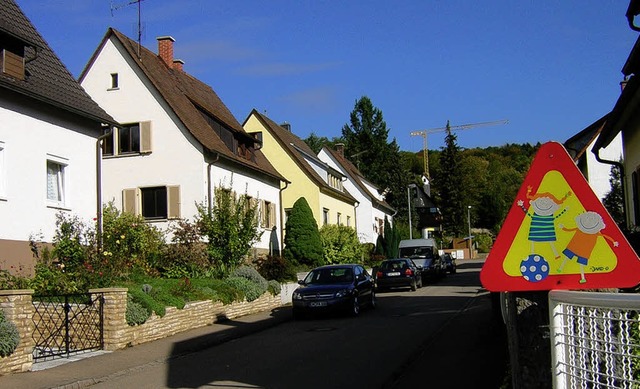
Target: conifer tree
302 242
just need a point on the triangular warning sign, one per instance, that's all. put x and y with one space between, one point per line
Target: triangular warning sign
558 235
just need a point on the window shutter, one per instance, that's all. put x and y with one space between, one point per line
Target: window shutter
130 201
272 215
263 214
145 137
173 202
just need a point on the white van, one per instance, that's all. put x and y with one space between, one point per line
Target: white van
424 252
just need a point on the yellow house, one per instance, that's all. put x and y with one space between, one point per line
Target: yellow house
309 177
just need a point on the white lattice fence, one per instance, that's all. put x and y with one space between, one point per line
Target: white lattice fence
595 339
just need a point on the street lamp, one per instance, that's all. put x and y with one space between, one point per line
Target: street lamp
469 221
409 206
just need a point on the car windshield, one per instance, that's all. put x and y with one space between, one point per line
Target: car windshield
336 275
416 252
393 265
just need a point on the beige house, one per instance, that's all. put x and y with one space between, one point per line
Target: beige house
309 177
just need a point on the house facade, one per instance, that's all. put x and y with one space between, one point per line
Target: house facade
308 176
177 141
372 208
596 173
49 127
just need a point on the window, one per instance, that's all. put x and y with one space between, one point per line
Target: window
348 221
325 216
267 214
56 183
129 139
107 143
152 203
114 80
338 218
134 138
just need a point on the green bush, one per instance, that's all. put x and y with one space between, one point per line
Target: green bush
231 227
276 268
9 336
274 287
147 301
483 242
136 314
252 275
340 244
302 242
249 289
186 256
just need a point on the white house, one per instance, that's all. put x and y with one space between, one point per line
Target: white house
597 173
177 141
49 128
372 209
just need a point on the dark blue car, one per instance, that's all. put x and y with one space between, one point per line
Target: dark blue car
344 288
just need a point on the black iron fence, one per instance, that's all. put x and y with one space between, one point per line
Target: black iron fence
67 324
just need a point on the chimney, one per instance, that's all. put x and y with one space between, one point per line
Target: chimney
286 126
178 64
165 49
623 83
340 149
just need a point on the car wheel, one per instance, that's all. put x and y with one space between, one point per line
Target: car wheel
413 285
373 301
355 307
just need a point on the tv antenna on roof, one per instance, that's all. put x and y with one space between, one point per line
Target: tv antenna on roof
115 7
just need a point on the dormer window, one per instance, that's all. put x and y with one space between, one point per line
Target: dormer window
12 57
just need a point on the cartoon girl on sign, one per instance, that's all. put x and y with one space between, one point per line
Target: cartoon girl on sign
589 224
544 206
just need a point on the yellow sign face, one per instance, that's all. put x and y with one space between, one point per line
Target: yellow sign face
601 259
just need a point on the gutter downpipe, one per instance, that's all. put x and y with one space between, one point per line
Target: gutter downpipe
99 227
286 185
622 180
209 192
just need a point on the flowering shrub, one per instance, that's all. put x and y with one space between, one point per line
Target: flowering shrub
9 336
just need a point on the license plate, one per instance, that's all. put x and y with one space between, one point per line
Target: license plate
318 304
394 273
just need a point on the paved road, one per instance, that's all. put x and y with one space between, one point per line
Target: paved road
442 336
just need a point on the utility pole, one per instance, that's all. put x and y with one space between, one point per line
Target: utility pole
425 133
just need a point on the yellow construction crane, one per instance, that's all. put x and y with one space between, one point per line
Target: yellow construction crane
461 127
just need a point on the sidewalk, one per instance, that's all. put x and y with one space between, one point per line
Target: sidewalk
102 366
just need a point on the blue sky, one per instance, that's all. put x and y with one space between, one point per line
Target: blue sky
550 67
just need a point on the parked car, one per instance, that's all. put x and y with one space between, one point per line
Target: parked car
345 288
401 272
449 262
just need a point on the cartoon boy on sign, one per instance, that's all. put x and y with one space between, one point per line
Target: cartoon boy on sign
589 224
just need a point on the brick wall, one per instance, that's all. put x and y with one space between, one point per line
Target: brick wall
18 309
118 334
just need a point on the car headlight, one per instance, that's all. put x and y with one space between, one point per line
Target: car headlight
342 293
297 296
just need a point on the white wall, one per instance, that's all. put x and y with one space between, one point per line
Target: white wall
29 137
364 210
176 157
599 173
